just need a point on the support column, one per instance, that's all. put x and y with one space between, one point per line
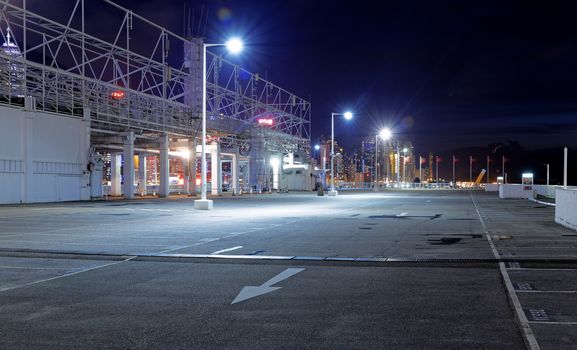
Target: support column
142 174
192 169
235 173
115 162
27 195
128 185
215 169
164 175
186 169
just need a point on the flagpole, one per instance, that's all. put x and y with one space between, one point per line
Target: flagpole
470 168
453 170
437 168
503 169
487 169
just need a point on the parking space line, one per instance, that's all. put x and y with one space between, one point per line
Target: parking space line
529 336
29 268
547 291
226 250
537 269
553 322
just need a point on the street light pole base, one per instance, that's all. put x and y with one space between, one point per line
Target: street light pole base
333 193
203 204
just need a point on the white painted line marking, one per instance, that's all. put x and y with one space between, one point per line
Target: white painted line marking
548 291
554 322
30 268
401 214
226 250
188 246
539 269
251 292
67 275
530 339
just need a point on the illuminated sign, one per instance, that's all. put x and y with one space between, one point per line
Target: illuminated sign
265 121
117 95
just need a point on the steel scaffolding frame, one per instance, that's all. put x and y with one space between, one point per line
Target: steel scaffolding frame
143 85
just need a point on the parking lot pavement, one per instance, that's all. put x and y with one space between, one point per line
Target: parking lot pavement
406 270
542 266
159 304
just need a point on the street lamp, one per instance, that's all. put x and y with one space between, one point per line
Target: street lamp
405 150
348 116
234 45
385 134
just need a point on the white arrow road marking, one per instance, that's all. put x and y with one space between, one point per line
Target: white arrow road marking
226 250
251 292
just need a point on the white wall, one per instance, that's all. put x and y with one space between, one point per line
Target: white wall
515 191
43 157
298 179
566 207
548 191
491 188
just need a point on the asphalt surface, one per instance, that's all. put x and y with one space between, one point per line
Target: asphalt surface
395 270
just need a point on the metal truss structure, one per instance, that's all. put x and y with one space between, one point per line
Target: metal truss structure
133 74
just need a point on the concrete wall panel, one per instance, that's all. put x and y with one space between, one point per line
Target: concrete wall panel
42 157
566 207
10 185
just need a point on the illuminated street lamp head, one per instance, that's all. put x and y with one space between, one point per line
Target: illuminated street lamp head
405 150
348 115
317 147
385 134
234 45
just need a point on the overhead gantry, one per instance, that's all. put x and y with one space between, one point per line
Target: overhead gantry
138 89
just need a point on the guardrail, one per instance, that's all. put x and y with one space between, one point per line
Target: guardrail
150 190
343 186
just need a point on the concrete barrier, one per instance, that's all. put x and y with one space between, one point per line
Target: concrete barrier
515 191
491 187
566 207
548 191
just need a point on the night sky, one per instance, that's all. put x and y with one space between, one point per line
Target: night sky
450 76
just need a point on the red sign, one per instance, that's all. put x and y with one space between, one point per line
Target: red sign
117 95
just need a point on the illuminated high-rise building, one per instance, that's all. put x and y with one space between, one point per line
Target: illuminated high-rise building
11 70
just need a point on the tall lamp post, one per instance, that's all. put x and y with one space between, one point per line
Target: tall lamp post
234 46
348 116
405 150
385 135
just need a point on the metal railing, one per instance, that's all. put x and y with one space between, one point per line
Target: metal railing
398 186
